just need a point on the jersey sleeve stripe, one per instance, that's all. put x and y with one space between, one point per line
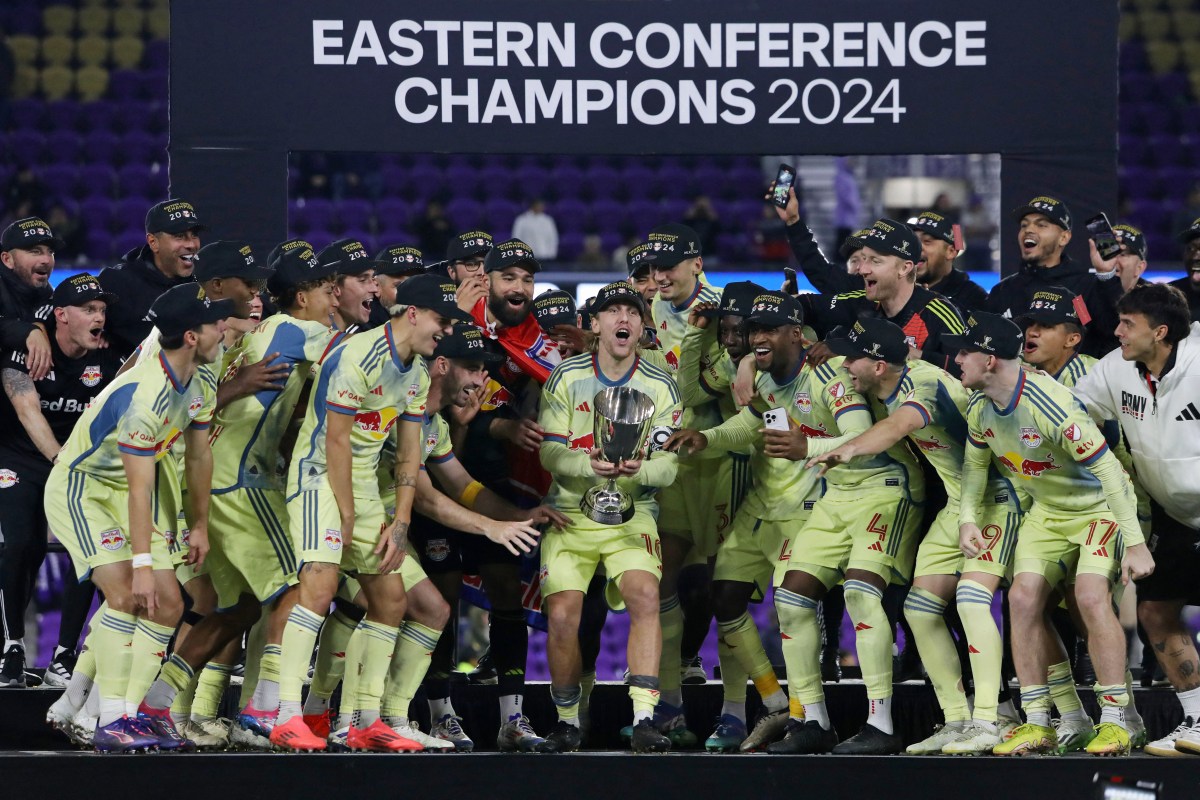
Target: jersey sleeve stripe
407 417
135 451
554 437
975 442
947 315
838 414
1101 450
442 459
339 409
919 408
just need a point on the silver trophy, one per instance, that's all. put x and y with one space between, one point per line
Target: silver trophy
622 420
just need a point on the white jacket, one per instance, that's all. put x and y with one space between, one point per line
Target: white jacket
1162 428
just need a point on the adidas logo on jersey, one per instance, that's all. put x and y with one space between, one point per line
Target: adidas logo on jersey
986 557
377 390
583 406
1101 552
1189 414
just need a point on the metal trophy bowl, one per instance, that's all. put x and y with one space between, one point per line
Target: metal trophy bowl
622 420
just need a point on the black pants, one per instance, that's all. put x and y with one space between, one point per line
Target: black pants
22 536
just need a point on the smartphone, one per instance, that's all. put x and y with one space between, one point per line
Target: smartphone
789 281
775 419
785 179
1102 234
1113 787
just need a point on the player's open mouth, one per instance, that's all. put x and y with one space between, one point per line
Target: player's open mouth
1030 346
870 283
517 300
256 315
188 258
437 337
366 306
1029 243
623 334
95 333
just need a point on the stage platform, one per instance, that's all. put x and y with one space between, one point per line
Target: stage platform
34 758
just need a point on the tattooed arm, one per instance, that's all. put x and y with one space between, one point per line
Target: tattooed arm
24 397
393 544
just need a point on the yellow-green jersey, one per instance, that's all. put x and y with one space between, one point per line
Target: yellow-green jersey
672 322
1075 368
246 434
1053 450
363 378
941 401
436 448
568 417
141 413
149 350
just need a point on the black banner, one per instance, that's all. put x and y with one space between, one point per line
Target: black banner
251 81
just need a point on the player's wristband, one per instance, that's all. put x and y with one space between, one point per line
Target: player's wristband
467 498
141 560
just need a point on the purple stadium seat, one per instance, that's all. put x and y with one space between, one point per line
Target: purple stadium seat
674 209
1173 86
27 113
98 180
746 180
463 179
100 147
570 245
124 84
138 147
497 179
645 214
1133 149
744 213
1174 181
570 213
154 84
355 212
98 243
608 215
393 214
157 54
159 181
297 222
498 216
96 212
59 179
62 115
316 212
531 181
565 180
393 178
63 146
134 179
425 181
1166 149
672 176
130 213
708 179
97 116
603 180
26 146
1160 119
465 212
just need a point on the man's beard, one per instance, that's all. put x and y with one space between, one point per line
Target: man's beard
508 316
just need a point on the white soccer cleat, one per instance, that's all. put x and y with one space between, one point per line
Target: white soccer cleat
977 738
409 730
932 745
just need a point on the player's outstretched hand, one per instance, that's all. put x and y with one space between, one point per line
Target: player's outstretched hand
145 592
392 547
698 320
970 539
791 444
1137 563
545 515
605 469
197 545
261 376
517 537
685 441
830 460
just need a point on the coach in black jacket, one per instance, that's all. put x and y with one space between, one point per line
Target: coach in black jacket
27 252
165 260
1045 230
936 271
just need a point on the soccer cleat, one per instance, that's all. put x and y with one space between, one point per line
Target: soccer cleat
319 724
58 673
379 738
518 736
122 736
563 738
804 737
336 740
253 728
870 741
646 738
1188 741
1138 736
484 673
691 672
449 728
409 730
670 721
1007 726
1111 739
1072 735
59 716
295 735
1167 745
976 739
208 734
12 668
769 727
159 721
1027 739
727 737
942 736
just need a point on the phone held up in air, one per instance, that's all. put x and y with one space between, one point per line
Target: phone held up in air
785 179
790 285
1102 234
775 419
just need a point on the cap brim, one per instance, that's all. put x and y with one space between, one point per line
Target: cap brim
847 348
1187 235
531 265
664 260
953 343
449 311
195 226
218 310
398 270
553 322
771 320
627 299
55 243
1021 211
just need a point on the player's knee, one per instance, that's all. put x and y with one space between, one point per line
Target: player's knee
562 616
641 598
728 603
1024 603
122 600
1093 600
428 608
169 610
1156 617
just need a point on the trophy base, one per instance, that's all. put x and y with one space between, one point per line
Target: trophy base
606 507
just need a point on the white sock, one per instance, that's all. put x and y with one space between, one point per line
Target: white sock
817 713
111 710
11 642
440 708
1190 700
92 706
510 707
266 694
880 713
315 704
77 690
1113 714
58 651
1075 715
1007 709
672 697
1041 718
776 701
734 708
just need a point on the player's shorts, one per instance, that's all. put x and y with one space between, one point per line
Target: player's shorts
316 529
91 520
758 551
1058 545
570 556
939 553
167 507
410 572
250 551
699 505
869 529
1176 560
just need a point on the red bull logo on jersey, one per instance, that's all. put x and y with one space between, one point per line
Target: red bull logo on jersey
8 479
495 395
582 443
333 539
1030 437
929 445
112 540
437 549
1027 467
376 424
803 401
818 432
91 375
672 358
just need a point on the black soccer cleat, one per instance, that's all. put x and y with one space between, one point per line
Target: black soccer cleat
870 741
563 738
805 737
12 669
647 739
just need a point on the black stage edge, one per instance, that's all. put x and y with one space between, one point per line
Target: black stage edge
23 712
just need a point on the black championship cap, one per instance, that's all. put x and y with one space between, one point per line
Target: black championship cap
399 259
186 307
347 257
28 233
553 308
1186 235
1052 207
1133 239
773 309
79 289
617 292
295 263
934 224
471 243
893 238
670 244
736 300
433 292
285 246
173 216
854 242
873 338
635 258
513 253
466 342
585 314
229 260
988 333
1051 306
